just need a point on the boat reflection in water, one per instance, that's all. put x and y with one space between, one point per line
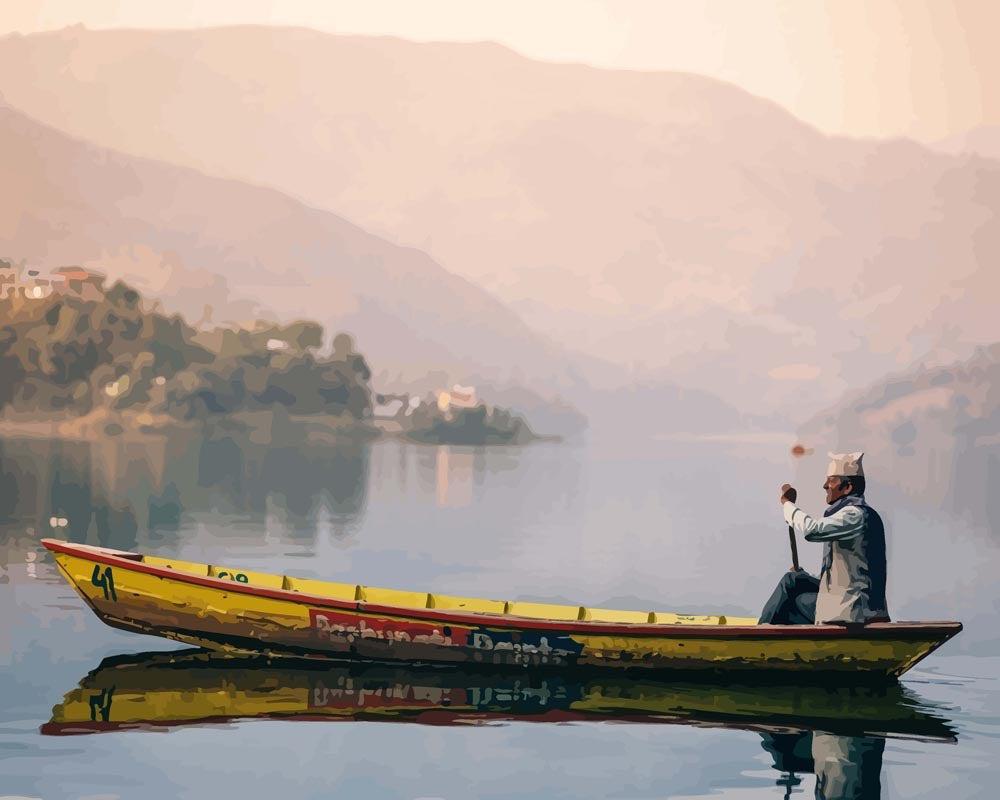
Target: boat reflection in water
836 732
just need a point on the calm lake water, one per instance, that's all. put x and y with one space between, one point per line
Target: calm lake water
691 526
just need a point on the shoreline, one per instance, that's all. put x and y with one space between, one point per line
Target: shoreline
261 427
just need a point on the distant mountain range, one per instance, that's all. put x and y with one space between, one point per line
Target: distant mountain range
981 141
222 250
667 222
197 241
932 431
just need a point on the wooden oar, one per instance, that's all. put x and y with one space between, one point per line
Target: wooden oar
792 495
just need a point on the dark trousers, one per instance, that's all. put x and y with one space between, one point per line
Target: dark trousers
793 601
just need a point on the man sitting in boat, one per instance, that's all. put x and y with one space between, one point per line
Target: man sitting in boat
851 583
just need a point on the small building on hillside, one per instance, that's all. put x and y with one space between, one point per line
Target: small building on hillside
458 397
79 281
390 409
8 279
35 286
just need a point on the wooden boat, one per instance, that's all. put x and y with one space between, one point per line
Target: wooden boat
241 611
200 687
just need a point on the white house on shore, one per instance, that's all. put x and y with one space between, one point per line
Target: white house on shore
458 397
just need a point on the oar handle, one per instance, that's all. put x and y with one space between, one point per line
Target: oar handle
792 495
795 549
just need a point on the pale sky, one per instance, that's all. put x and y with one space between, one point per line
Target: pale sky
921 68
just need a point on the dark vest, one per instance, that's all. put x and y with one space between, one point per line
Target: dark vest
866 552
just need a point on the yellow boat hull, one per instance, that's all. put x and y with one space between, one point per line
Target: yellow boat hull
244 612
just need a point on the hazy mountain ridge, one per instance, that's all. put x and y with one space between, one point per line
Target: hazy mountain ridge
931 431
200 241
983 141
193 241
662 220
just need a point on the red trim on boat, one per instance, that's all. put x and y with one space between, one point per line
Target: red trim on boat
878 630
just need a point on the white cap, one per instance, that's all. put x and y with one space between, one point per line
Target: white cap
847 464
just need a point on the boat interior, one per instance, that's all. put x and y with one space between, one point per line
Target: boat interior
352 592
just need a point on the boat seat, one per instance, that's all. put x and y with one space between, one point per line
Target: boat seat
265 580
672 618
544 611
393 597
475 605
407 599
190 567
611 615
330 589
728 620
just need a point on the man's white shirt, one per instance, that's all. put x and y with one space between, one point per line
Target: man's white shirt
843 524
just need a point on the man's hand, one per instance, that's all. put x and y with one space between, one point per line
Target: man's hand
788 493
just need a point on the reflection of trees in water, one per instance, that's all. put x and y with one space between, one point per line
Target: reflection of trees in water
348 480
68 481
165 508
312 487
116 527
220 467
85 490
295 481
16 484
287 472
111 491
21 477
70 493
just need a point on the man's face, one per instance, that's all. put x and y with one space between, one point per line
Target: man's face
836 487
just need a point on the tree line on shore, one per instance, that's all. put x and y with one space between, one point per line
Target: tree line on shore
65 354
